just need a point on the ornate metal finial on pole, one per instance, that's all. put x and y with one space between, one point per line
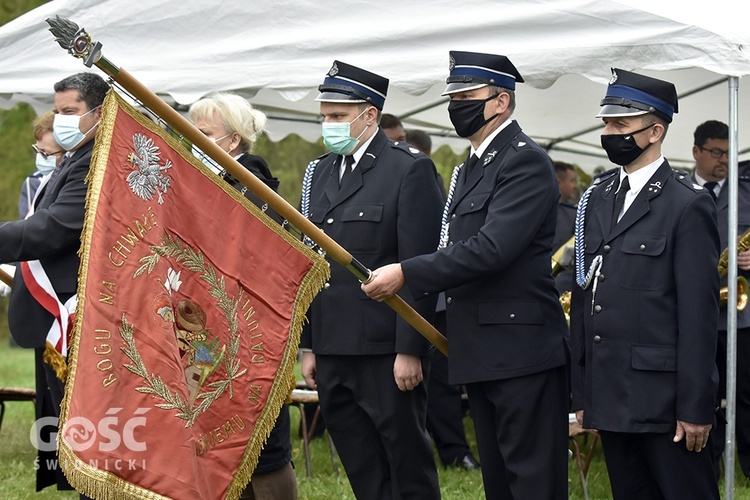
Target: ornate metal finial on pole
78 43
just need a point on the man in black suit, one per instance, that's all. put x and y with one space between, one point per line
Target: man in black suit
48 240
710 151
380 200
645 307
566 217
507 334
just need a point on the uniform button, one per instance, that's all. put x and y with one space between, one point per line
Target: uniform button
597 308
606 248
361 214
597 339
642 247
449 300
601 278
326 286
329 221
681 177
453 216
471 205
512 316
450 243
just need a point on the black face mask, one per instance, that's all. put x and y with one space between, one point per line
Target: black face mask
622 149
467 116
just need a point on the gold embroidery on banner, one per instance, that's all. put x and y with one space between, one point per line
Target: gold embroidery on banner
126 242
202 351
219 434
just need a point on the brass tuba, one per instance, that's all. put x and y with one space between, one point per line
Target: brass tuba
743 243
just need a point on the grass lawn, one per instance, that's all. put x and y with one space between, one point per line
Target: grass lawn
17 474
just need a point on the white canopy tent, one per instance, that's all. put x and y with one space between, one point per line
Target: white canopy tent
277 52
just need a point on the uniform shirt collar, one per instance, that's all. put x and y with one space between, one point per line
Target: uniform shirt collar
701 181
640 177
486 142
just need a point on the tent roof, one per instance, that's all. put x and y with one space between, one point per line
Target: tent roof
277 52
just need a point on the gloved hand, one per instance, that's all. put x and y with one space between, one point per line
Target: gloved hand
5 289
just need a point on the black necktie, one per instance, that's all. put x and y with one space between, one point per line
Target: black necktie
348 162
56 171
470 164
620 200
710 186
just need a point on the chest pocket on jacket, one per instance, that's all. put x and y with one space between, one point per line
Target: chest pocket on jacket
362 228
473 203
639 268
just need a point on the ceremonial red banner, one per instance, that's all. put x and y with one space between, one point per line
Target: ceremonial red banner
190 306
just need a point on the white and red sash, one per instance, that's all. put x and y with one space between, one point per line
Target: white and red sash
40 287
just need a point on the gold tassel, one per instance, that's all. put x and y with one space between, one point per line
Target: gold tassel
57 361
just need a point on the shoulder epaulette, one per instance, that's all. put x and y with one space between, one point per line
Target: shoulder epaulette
686 181
406 147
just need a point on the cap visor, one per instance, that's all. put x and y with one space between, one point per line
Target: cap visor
338 97
455 87
615 111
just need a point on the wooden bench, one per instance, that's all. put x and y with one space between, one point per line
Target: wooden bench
590 438
300 397
14 394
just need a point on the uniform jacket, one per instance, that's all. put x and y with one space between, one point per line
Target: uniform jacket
644 347
743 223
387 210
503 312
51 235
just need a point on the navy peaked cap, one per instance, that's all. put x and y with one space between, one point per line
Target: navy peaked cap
631 94
350 84
473 70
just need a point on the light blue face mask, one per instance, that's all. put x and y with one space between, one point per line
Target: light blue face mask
337 138
207 160
67 132
45 165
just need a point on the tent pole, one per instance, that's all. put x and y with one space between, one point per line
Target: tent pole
731 376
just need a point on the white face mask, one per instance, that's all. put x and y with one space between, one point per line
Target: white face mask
45 165
207 160
67 132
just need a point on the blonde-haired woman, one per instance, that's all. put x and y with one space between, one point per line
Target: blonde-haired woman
234 125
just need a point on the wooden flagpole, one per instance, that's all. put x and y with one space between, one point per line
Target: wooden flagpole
6 278
78 43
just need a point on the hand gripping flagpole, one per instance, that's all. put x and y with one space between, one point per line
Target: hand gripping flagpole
78 43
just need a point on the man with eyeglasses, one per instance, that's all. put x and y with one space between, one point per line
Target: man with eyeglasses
710 150
46 244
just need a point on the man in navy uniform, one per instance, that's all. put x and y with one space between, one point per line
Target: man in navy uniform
507 334
710 151
50 239
379 200
645 307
